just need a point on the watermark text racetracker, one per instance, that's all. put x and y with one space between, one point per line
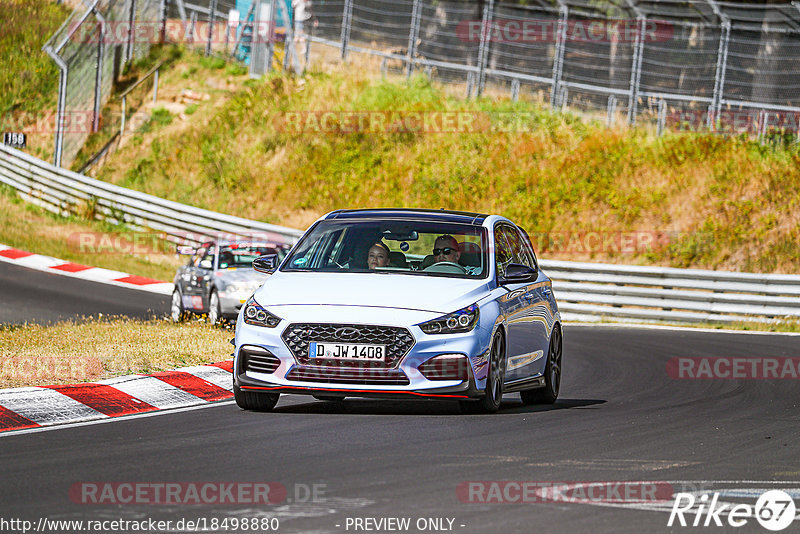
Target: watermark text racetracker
577 492
733 368
531 30
184 524
171 493
44 368
397 121
195 493
567 242
144 243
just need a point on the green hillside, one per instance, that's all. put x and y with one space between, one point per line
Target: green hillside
264 151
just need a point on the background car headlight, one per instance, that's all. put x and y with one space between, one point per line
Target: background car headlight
241 287
457 322
256 315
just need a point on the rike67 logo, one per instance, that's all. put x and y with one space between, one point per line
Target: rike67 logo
774 510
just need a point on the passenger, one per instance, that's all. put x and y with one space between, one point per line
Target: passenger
378 255
445 248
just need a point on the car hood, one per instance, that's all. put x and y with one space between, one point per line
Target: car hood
410 292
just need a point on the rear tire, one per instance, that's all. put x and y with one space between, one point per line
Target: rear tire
552 375
493 393
255 401
176 311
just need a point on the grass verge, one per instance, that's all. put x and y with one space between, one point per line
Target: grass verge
94 243
28 77
95 349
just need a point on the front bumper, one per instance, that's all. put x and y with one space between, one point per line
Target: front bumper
231 303
462 391
281 375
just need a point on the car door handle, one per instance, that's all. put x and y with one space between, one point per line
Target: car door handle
546 291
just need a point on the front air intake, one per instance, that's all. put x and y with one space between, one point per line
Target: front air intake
257 359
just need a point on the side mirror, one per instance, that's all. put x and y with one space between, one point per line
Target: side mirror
266 264
518 274
206 264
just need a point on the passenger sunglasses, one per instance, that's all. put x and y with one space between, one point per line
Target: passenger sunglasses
446 251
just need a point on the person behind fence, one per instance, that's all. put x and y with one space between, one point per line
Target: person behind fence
378 255
302 13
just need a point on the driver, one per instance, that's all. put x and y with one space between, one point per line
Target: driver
445 248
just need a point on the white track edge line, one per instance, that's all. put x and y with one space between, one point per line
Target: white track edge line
59 272
680 328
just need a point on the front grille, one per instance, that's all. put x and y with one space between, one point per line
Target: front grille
258 360
338 375
398 342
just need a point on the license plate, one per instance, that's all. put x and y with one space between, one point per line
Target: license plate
347 351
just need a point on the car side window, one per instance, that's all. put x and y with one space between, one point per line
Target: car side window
521 253
526 243
201 252
209 256
503 252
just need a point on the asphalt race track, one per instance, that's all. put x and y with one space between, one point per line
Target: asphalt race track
620 417
28 295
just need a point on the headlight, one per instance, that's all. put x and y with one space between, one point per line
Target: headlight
242 287
457 322
255 315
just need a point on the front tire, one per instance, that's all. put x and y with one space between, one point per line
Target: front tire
257 402
552 375
493 393
214 310
176 311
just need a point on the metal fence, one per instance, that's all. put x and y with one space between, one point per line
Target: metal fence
690 64
683 64
593 291
585 291
65 192
91 48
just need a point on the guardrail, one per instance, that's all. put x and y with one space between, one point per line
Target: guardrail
594 290
585 291
66 192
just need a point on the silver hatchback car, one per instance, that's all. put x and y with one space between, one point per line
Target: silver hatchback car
396 303
218 279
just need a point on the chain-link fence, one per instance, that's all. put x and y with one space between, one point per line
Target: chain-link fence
91 48
692 64
683 64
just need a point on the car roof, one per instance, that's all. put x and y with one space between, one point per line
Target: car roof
462 217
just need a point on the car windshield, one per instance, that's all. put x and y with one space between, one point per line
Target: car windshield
392 247
242 255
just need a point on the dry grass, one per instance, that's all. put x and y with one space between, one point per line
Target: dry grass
95 349
92 243
28 77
